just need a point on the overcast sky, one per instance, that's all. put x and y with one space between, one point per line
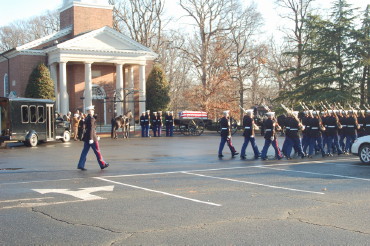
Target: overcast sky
11 10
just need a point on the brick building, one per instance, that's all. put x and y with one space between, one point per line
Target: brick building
89 62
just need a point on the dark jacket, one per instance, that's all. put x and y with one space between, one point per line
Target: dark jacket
169 120
248 124
90 132
142 120
351 126
331 126
224 127
293 126
314 124
269 127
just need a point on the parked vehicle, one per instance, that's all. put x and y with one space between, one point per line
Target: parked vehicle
361 148
31 121
192 122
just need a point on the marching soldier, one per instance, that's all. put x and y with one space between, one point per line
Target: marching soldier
91 141
351 130
147 123
270 136
169 124
367 122
154 124
342 136
159 123
142 124
292 136
249 127
315 134
226 135
305 130
361 123
332 126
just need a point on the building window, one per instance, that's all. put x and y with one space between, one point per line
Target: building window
6 85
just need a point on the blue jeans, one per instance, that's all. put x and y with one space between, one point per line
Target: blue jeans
85 150
252 140
274 144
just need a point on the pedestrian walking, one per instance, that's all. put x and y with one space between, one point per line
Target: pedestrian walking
226 135
91 141
249 128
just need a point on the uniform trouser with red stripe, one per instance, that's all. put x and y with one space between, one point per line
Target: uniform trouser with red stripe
275 145
85 151
229 143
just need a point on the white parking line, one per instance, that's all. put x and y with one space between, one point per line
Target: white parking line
160 192
313 173
252 183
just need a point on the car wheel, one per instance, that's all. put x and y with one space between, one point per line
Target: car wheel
32 142
66 136
364 153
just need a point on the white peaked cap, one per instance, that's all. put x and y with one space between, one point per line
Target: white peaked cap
249 111
368 111
226 112
91 107
315 112
76 115
270 113
143 112
295 112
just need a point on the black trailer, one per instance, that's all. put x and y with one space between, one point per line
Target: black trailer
30 121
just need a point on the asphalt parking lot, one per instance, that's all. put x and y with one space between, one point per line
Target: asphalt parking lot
175 191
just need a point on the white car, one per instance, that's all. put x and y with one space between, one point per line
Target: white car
361 148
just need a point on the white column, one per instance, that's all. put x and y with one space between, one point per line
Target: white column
88 85
119 88
54 77
142 87
64 100
131 104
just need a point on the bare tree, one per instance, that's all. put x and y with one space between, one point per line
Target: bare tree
142 20
23 31
297 12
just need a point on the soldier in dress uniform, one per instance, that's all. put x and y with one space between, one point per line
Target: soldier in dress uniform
169 124
91 141
324 117
361 123
367 122
292 136
305 130
249 127
159 123
351 130
154 124
142 124
270 136
226 135
332 126
343 121
315 134
147 123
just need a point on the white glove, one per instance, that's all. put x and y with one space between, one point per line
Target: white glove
98 138
91 141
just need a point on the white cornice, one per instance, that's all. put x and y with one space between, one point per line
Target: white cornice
86 5
51 37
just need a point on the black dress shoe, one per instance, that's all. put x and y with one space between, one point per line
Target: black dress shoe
106 165
243 157
220 156
234 154
82 168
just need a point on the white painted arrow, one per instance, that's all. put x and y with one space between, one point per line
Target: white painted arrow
83 193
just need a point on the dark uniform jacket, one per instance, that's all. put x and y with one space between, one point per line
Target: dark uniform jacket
361 123
147 119
269 127
314 124
142 120
367 125
292 126
169 120
248 124
224 127
306 123
331 126
90 133
159 120
351 123
343 122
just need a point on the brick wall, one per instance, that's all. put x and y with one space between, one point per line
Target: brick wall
85 19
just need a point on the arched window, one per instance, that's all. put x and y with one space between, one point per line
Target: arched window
6 85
